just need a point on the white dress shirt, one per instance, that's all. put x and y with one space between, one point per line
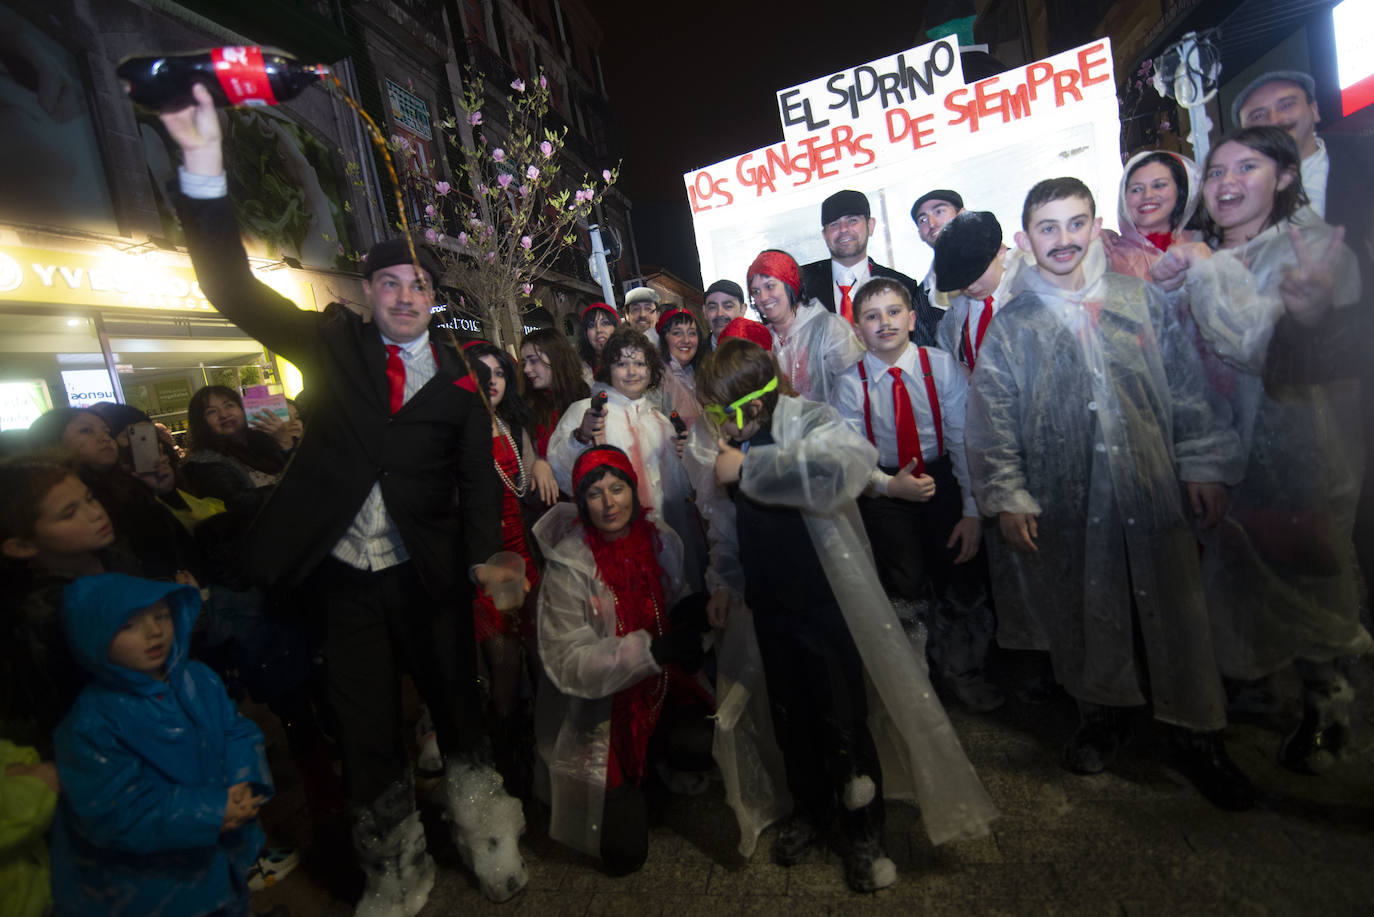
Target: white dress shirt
951 389
372 541
1316 169
855 277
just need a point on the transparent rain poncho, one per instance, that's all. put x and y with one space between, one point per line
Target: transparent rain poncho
819 346
1087 409
645 434
585 664
1280 569
818 466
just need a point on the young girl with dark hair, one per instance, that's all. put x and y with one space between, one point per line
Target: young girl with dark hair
554 381
630 420
1280 570
599 322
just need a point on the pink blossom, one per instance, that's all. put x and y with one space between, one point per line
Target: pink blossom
584 194
503 180
531 173
543 83
498 155
475 118
606 174
491 257
442 188
526 242
429 210
431 236
527 288
1165 126
481 188
546 148
518 84
524 190
462 238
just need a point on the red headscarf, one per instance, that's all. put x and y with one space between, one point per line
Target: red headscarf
670 315
778 264
610 310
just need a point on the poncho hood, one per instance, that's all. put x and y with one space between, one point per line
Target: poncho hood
1194 191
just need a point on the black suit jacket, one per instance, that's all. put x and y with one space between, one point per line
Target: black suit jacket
820 284
1350 198
433 457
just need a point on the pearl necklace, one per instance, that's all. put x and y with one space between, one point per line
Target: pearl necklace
523 484
662 688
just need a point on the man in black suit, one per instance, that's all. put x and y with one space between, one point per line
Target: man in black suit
846 225
391 499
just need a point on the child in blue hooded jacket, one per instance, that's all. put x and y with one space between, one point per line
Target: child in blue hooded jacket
161 777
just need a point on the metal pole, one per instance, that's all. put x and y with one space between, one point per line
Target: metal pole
603 270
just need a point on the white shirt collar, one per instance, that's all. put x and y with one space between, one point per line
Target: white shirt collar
878 368
413 348
839 273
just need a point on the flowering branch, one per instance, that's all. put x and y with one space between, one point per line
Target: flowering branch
518 212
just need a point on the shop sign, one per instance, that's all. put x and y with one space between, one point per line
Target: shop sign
173 395
409 111
85 387
114 280
22 402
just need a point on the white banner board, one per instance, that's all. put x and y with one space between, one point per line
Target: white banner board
897 128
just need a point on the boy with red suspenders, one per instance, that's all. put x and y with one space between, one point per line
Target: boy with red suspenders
918 511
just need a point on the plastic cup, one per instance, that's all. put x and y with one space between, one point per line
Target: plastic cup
505 580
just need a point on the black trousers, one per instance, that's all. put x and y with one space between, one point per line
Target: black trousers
819 702
908 541
373 627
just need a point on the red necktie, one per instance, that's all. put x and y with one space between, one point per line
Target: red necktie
974 342
846 304
396 376
908 440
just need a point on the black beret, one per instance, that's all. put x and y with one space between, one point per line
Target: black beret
939 194
844 204
966 247
395 251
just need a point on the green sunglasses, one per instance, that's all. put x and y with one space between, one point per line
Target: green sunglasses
719 413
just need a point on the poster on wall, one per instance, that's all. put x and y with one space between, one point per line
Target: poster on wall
898 127
85 387
22 401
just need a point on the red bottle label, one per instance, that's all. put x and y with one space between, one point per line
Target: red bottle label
242 76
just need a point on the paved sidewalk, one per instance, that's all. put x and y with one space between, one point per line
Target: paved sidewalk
1135 841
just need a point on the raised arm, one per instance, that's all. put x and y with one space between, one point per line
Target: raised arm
212 237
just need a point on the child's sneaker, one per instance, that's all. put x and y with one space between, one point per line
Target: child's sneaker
273 865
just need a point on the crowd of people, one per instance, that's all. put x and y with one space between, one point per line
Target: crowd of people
614 565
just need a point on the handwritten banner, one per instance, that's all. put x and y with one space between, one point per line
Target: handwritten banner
898 127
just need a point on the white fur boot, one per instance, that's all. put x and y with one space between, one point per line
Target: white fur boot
486 826
398 869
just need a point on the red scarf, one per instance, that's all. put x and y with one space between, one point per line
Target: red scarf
1160 240
629 567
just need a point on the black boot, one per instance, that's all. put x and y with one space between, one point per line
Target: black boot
1324 730
1203 760
796 835
867 867
1101 733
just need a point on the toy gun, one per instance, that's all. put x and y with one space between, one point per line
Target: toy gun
679 427
599 403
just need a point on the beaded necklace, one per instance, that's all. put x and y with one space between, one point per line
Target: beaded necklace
521 484
662 689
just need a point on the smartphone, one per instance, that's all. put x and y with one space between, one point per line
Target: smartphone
143 445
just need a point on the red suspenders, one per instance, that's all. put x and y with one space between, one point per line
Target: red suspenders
931 397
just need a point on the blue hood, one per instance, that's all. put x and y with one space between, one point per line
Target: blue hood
94 608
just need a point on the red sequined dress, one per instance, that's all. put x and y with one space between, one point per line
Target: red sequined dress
487 620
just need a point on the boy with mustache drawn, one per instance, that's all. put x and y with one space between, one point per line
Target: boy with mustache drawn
1087 421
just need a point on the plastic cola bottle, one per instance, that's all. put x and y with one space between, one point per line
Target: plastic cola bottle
237 75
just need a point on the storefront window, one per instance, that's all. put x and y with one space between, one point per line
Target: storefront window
48 361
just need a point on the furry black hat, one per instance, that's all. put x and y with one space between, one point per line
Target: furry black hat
966 247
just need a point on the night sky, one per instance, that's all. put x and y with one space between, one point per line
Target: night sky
695 83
